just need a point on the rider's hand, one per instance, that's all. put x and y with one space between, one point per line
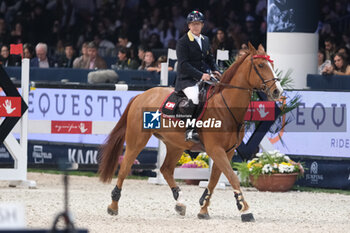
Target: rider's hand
205 77
217 74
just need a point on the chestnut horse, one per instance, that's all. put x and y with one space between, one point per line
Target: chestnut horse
230 100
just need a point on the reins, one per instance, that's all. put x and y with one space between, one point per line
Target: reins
250 90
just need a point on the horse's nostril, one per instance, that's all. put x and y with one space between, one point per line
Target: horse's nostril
276 93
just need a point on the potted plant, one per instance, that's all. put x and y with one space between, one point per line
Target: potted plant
270 171
200 162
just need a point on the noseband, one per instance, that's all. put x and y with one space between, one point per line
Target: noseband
264 81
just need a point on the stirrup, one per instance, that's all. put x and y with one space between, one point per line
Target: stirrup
192 135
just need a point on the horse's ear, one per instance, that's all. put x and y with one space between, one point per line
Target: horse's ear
251 48
261 49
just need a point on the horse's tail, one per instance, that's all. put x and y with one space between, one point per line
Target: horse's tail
113 148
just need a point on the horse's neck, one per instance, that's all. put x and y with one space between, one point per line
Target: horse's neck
236 99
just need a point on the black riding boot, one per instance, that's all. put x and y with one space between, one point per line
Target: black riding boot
187 107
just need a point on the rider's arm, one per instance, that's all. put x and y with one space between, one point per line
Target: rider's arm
182 53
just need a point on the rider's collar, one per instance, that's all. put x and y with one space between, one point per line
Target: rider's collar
191 36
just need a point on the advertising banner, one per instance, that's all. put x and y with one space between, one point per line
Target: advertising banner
48 155
72 113
325 173
318 127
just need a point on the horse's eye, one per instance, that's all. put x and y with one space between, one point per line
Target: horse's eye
261 65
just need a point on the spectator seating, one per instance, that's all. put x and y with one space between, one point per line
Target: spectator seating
80 75
330 82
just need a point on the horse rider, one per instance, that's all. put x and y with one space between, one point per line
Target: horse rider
195 63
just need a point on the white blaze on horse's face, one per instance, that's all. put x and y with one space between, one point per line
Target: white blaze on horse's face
276 94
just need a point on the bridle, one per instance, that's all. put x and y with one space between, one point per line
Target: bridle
264 81
264 88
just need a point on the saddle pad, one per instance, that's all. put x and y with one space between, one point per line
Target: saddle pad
170 104
169 107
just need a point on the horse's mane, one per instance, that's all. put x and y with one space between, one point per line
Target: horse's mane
230 72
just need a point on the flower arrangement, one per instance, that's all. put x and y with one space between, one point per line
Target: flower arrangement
201 161
271 162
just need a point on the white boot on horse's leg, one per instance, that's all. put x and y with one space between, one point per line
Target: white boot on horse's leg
242 205
204 201
180 208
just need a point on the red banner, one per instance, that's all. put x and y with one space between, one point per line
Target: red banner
260 111
16 49
10 106
71 127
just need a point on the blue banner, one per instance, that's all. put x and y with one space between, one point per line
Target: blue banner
47 155
325 173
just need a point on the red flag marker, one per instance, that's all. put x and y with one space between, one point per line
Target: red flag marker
16 49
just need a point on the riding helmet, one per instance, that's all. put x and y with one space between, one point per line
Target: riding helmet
195 16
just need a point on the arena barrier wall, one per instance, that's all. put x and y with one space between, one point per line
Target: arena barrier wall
328 82
319 128
80 75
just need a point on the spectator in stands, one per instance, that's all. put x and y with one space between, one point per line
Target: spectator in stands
141 53
330 48
82 61
7 59
241 52
346 39
220 42
148 61
252 31
154 42
145 31
169 32
95 61
28 51
322 62
341 67
4 35
124 61
17 34
105 47
41 60
67 60
178 19
123 41
157 68
237 35
59 50
344 50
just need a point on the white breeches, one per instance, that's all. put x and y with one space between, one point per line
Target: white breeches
192 93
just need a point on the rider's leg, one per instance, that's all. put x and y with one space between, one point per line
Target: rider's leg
193 101
192 93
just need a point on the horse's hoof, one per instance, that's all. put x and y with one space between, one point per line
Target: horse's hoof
180 209
247 217
203 216
111 211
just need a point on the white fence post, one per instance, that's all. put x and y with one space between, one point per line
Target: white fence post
19 151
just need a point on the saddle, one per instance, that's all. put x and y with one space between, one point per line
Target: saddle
170 106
